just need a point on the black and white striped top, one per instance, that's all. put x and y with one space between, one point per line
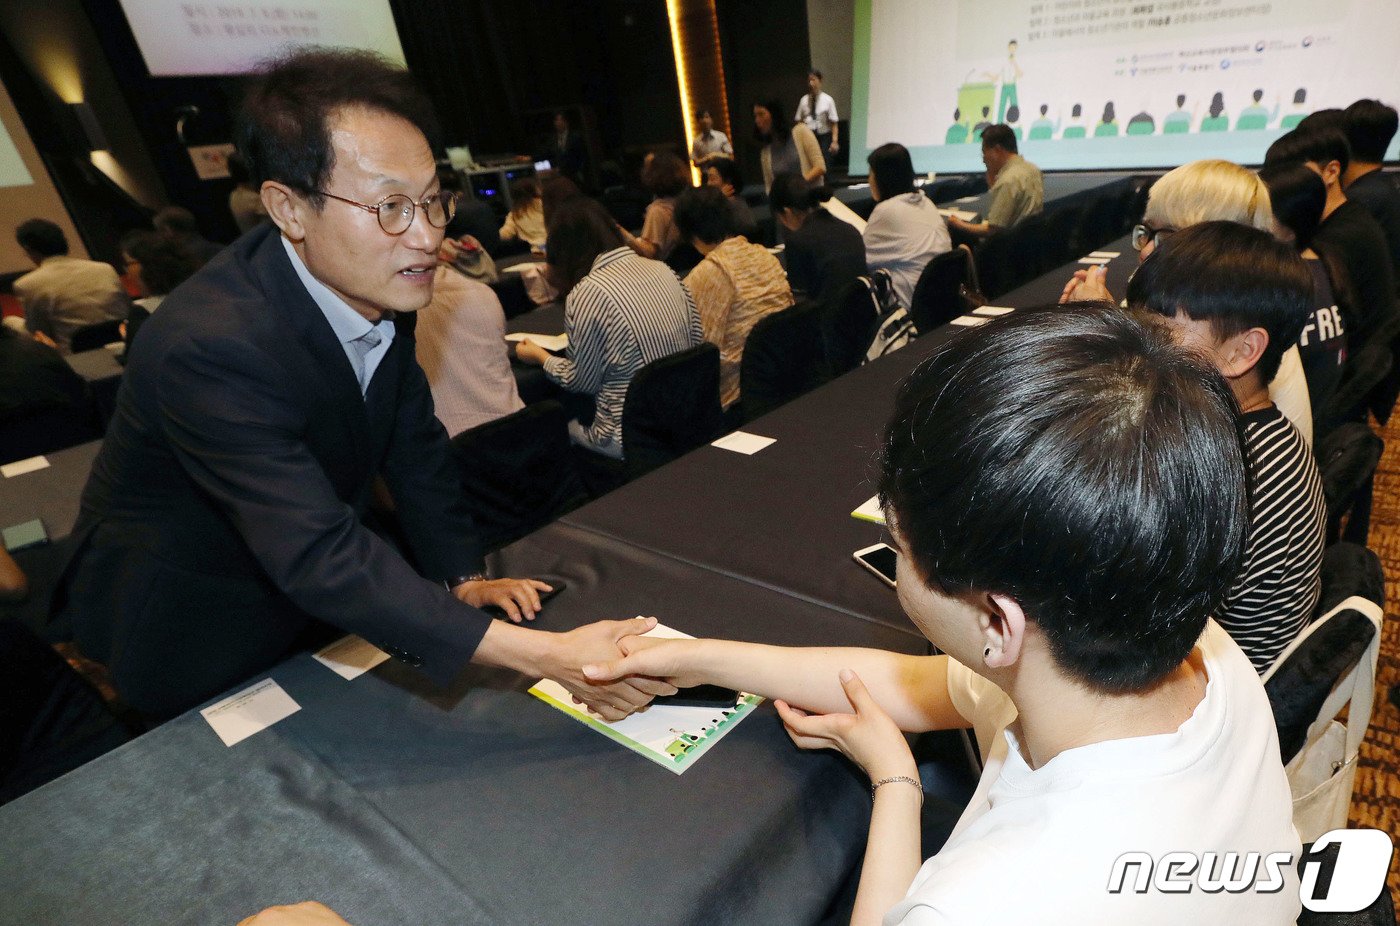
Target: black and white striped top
1273 599
627 312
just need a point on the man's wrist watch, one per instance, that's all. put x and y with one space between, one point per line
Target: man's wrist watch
472 577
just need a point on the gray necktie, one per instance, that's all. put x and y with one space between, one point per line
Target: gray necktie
363 345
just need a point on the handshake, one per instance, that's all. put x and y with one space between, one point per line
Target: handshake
613 670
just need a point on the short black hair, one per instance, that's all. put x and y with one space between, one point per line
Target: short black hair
283 129
238 168
1013 113
665 174
1298 197
1083 463
1257 95
999 136
703 213
792 191
1300 95
1180 100
1332 117
813 72
728 171
177 221
1370 126
702 114
1320 145
892 168
1234 277
579 230
42 237
1076 110
165 262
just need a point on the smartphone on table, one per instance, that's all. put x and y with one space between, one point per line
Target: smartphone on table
879 560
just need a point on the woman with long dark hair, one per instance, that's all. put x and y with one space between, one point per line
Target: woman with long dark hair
787 148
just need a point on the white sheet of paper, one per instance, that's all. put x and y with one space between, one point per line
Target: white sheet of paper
1095 261
970 321
960 213
1109 254
743 442
870 510
350 657
20 467
844 213
252 710
547 341
968 199
993 310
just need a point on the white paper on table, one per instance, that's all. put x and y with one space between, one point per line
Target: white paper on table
1109 254
968 199
555 342
521 267
870 510
844 213
992 310
350 656
970 321
670 735
252 710
743 442
959 213
20 467
1095 261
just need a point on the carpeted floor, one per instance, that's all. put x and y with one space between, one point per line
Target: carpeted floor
1376 801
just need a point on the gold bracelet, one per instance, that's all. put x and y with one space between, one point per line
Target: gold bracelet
875 785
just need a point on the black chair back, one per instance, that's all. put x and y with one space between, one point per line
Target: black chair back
994 264
784 357
91 337
1099 222
518 473
937 297
672 407
848 325
515 299
1347 457
1364 373
47 430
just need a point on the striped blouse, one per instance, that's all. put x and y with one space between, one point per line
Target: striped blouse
1274 597
627 312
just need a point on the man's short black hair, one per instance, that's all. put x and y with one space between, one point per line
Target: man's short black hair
892 168
1298 197
999 136
283 128
703 213
1318 145
1079 461
728 172
1233 276
177 221
42 237
1332 117
165 262
1370 126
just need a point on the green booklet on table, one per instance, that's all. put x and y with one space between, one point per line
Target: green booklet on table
870 511
673 736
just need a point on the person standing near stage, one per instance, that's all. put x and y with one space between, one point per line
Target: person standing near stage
817 111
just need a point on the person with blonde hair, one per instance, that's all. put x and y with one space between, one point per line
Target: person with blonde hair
1210 190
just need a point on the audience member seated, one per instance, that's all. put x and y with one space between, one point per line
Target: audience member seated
664 175
709 145
157 264
1239 297
472 217
64 293
906 230
736 284
723 174
1017 187
823 254
34 378
178 224
1204 191
1298 196
621 312
244 200
526 219
1370 127
1348 231
460 344
554 192
1113 715
786 148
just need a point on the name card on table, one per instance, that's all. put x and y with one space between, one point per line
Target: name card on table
743 442
1109 254
970 321
1093 261
350 657
252 710
20 467
992 310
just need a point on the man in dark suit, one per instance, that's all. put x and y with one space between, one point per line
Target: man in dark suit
222 517
565 150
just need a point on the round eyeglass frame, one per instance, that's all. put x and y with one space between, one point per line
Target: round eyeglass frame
1144 234
403 209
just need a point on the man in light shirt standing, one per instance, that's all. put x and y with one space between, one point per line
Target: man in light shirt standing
817 111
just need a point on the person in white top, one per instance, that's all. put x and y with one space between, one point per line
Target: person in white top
709 142
906 230
1066 492
817 111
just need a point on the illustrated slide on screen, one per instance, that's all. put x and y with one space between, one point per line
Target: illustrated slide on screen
1111 83
211 37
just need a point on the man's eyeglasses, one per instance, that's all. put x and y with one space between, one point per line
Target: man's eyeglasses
1143 235
396 213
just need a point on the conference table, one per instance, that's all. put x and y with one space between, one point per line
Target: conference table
392 800
103 373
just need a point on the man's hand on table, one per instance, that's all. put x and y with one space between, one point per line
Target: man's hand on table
1087 286
306 913
518 598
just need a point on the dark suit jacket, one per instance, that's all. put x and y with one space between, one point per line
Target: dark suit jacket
222 514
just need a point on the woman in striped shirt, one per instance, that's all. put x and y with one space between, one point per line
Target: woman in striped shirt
621 312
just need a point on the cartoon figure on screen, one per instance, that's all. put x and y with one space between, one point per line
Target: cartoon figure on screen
1142 123
1075 129
982 123
1013 120
957 132
1178 121
1010 73
1299 111
1043 128
1253 118
1216 120
1108 124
